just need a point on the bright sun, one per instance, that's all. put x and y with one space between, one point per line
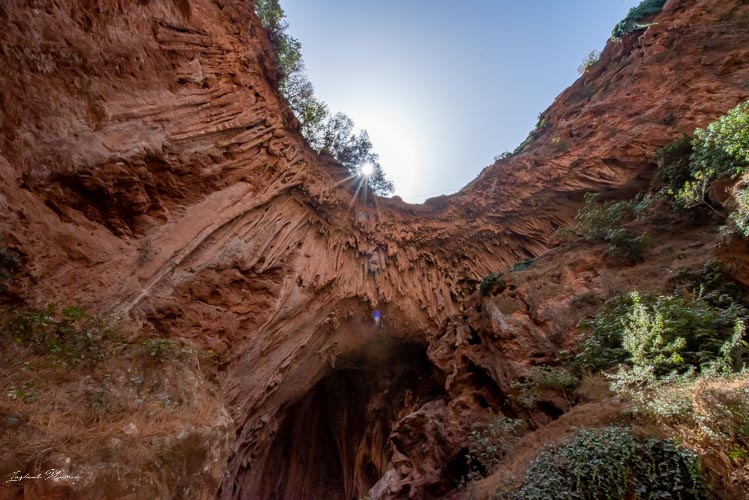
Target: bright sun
367 169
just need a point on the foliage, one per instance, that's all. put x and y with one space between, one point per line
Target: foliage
489 282
712 284
673 166
541 378
589 61
612 463
288 49
709 409
625 244
740 216
490 444
600 346
9 262
522 266
326 133
338 139
663 334
503 156
311 112
161 348
601 221
630 22
68 336
721 150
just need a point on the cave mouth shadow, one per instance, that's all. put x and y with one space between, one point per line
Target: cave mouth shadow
333 442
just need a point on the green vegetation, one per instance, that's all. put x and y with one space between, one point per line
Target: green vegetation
491 444
601 221
740 216
543 378
612 463
331 134
687 168
489 282
9 263
523 265
630 22
66 337
682 360
666 334
589 61
673 166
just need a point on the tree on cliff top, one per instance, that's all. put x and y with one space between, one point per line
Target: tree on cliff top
325 133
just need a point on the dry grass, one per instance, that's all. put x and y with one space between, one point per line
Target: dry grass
83 412
714 423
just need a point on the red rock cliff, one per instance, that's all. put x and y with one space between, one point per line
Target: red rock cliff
150 166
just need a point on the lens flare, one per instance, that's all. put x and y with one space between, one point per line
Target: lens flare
367 170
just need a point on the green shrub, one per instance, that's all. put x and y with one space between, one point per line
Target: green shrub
67 336
490 444
601 221
718 151
9 262
740 216
712 285
630 22
161 348
722 149
625 244
589 61
612 463
673 166
489 282
664 333
522 266
600 346
541 378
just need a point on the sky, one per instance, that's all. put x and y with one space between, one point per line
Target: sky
443 87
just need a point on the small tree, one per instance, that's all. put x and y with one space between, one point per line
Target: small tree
589 61
337 138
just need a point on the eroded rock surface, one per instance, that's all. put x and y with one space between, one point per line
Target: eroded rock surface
150 167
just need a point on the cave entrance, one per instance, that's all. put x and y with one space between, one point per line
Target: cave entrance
333 442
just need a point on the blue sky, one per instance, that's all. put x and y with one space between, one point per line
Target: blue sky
442 87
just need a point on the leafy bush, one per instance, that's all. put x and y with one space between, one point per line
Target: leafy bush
601 221
625 244
540 378
489 282
612 463
630 22
664 333
712 284
523 265
673 166
9 262
740 216
721 150
600 346
490 444
68 336
589 61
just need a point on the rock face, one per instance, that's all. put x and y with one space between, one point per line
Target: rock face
150 167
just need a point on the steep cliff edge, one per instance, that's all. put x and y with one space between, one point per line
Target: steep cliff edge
149 167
